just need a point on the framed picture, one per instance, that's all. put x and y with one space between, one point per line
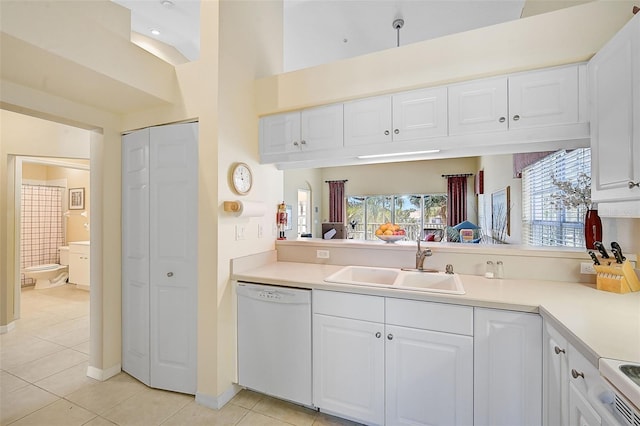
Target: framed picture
76 199
500 214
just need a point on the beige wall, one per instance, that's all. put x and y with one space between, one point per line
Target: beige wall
565 36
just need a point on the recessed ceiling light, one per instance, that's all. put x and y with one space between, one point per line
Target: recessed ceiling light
155 32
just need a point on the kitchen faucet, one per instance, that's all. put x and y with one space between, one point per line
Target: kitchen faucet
420 255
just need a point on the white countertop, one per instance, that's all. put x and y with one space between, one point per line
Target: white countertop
598 323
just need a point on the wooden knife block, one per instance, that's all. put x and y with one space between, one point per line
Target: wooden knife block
617 278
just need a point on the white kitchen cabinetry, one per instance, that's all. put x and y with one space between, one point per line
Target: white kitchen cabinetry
507 368
418 114
532 99
413 370
348 355
159 255
79 264
296 133
555 364
614 77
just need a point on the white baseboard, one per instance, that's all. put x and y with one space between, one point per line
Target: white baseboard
102 375
7 328
218 402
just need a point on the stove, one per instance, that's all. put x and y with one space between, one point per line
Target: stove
625 378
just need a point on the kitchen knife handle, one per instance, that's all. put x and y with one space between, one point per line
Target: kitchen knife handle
594 257
615 245
617 255
601 249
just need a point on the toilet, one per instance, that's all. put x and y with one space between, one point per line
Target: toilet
52 274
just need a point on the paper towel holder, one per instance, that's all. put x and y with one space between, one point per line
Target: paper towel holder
232 206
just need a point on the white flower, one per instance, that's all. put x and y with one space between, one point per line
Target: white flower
572 195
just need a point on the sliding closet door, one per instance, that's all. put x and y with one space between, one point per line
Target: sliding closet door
173 253
159 272
135 254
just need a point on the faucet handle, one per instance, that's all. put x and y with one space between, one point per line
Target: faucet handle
448 269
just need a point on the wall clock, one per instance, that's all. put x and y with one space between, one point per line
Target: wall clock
241 178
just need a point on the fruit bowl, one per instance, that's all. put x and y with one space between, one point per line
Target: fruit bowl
390 238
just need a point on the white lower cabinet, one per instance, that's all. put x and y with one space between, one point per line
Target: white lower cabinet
507 368
407 371
349 368
555 367
79 265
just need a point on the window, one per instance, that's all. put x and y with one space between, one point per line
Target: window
546 224
412 212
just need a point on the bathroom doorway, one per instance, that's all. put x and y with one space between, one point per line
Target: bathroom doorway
47 218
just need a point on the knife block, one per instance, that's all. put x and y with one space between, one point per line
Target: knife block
617 278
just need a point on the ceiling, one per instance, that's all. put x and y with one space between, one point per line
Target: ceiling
321 31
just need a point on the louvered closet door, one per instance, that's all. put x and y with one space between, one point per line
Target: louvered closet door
135 254
173 253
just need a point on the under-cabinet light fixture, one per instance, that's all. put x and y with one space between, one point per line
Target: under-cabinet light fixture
398 154
155 32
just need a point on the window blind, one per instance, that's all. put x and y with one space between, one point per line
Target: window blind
544 222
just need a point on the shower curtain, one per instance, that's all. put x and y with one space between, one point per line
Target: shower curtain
41 230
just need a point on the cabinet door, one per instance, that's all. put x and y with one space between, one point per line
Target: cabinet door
507 368
614 78
348 368
429 377
479 106
79 269
543 98
420 114
367 121
322 128
581 413
555 380
280 133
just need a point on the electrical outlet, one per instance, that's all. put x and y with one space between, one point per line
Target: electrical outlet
322 254
587 268
239 232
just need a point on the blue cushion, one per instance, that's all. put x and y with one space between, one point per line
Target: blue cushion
466 225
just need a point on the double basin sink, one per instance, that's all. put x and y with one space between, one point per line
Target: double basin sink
437 282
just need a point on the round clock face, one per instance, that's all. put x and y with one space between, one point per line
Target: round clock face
241 178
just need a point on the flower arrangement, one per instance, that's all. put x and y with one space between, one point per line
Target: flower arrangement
571 195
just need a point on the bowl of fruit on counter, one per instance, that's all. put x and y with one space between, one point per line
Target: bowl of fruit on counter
390 232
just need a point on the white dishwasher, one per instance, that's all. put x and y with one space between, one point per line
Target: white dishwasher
274 341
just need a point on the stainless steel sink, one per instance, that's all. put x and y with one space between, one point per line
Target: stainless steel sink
437 282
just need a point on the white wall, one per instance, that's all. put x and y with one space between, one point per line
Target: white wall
310 179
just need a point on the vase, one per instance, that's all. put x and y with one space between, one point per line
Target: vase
592 228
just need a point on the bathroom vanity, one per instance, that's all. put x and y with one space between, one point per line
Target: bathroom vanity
79 264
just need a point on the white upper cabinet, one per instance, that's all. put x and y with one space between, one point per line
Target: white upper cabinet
420 114
543 98
280 133
614 80
311 129
405 116
532 99
479 106
368 121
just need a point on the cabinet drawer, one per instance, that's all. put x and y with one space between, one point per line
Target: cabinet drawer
430 316
348 305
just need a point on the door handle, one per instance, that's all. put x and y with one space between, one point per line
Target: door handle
169 274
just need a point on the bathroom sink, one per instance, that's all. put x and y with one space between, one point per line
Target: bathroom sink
364 275
437 282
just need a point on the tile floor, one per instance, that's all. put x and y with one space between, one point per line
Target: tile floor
43 380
